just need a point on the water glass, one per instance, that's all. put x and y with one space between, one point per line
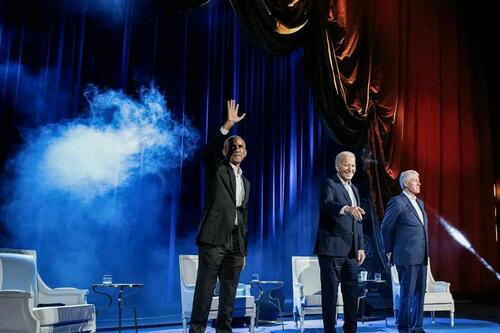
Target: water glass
107 279
363 275
378 276
255 276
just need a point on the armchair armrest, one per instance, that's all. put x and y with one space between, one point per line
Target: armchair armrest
16 311
15 294
440 287
301 288
67 296
301 291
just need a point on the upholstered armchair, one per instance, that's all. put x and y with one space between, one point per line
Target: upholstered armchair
437 295
28 305
307 289
244 305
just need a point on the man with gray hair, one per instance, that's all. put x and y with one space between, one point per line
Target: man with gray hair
404 235
340 243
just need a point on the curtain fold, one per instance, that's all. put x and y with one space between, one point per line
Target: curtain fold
276 26
396 82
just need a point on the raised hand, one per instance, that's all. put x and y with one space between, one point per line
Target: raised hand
232 114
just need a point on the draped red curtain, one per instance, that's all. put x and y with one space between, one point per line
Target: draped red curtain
442 131
411 90
398 81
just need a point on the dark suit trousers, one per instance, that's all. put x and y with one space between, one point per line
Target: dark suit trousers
413 280
226 263
334 270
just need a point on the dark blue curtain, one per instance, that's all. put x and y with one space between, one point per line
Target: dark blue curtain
198 59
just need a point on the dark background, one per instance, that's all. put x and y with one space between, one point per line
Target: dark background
51 50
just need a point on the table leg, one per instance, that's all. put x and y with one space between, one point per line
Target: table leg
120 294
281 316
363 311
277 305
135 319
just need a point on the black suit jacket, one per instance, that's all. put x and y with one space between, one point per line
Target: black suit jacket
220 210
336 233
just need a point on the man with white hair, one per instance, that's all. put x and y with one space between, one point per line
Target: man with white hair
340 243
404 235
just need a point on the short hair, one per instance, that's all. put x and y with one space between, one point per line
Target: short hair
231 138
405 175
340 156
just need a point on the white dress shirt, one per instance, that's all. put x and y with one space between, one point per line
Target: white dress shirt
240 187
413 200
348 187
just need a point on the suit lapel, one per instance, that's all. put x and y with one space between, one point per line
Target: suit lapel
230 182
246 183
356 194
408 203
342 189
421 206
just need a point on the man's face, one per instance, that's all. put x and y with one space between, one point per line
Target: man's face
237 150
347 167
413 185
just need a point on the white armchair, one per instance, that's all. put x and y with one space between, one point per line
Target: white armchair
244 304
437 295
307 289
28 305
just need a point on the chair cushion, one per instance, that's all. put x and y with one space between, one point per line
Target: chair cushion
69 328
241 302
58 315
312 300
438 298
315 300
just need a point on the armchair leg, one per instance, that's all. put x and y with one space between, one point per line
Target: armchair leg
302 318
433 316
184 324
257 314
452 317
251 328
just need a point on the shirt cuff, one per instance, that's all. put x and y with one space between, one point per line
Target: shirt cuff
223 130
342 211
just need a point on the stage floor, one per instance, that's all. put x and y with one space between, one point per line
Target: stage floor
442 325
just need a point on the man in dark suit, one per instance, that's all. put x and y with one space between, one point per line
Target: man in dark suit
404 234
222 236
340 243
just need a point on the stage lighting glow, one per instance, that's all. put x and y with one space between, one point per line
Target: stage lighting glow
462 240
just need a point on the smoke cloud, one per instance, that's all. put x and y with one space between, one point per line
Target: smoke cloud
98 194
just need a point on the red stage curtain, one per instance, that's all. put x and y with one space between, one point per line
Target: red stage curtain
397 81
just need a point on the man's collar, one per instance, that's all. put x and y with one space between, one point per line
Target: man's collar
410 196
236 169
344 182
